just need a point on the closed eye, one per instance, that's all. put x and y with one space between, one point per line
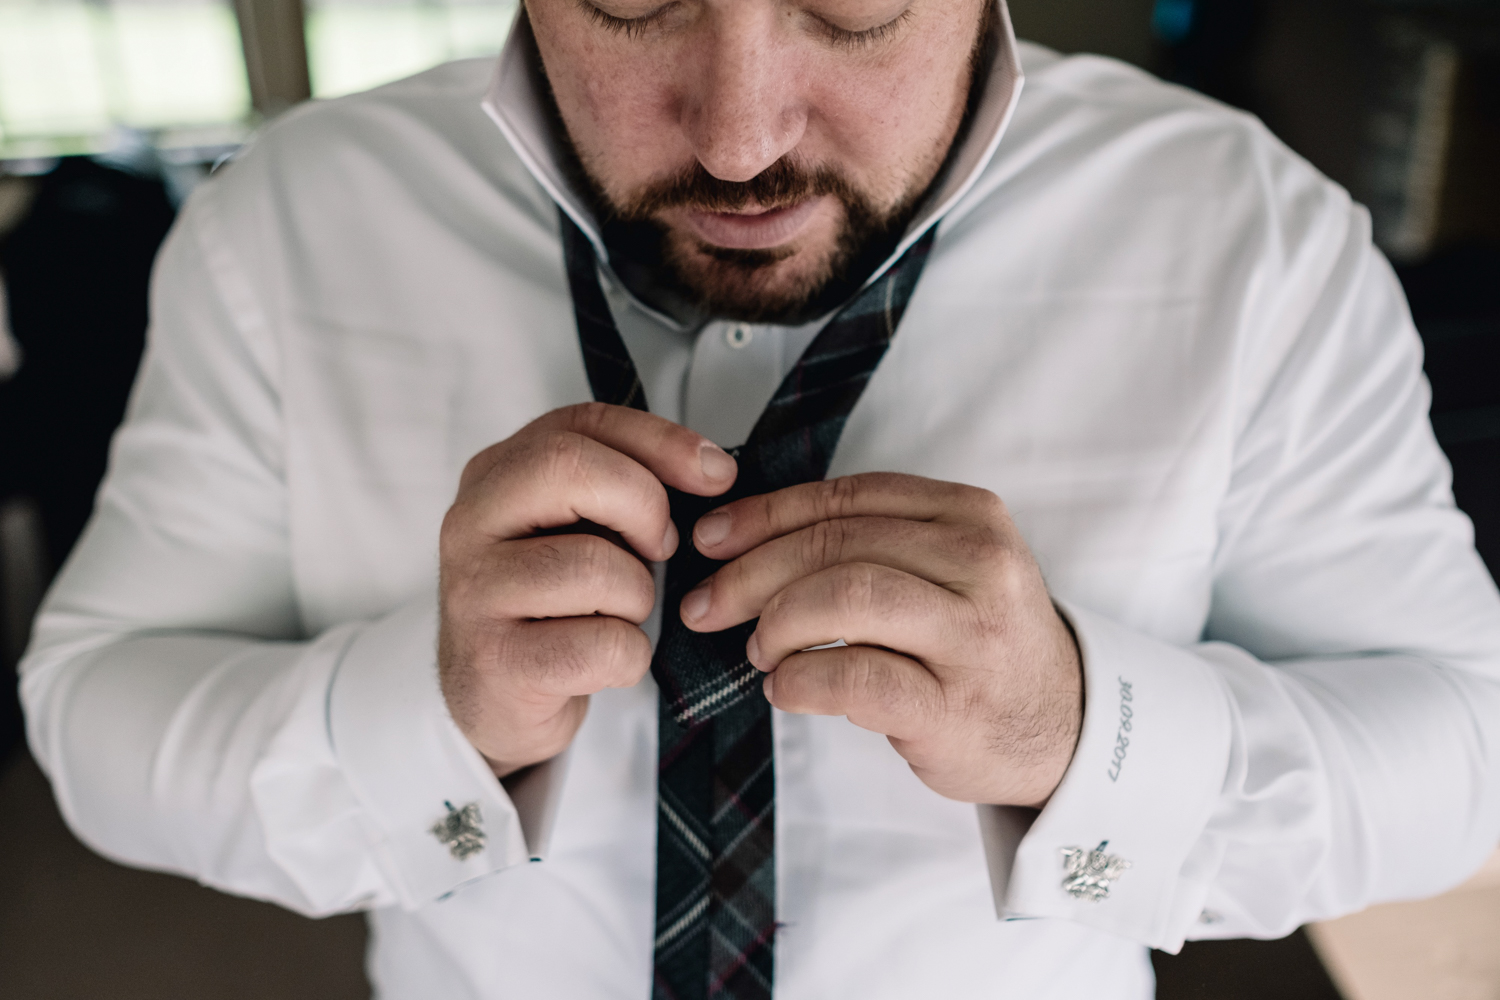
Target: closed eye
844 38
630 27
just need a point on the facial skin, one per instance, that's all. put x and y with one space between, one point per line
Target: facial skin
771 150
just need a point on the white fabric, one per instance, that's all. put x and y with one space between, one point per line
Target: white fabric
1163 339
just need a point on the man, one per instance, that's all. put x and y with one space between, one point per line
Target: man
1136 537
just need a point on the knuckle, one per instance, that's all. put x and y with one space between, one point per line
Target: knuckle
763 509
560 456
480 464
456 592
983 547
466 593
596 563
801 684
860 680
823 543
582 563
986 504
556 657
1015 573
624 653
856 591
453 534
588 418
775 609
841 496
544 566
875 689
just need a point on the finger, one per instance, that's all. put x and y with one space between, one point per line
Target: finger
955 557
876 688
559 657
558 576
736 528
676 456
864 604
559 477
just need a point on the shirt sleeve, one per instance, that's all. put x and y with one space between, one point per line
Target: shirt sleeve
185 720
1330 743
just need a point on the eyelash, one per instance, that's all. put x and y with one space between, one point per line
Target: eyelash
863 39
632 27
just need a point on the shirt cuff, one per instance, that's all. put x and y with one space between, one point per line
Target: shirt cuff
1145 778
438 816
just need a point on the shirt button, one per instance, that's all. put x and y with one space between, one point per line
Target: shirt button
739 335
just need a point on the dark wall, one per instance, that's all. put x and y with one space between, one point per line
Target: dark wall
76 268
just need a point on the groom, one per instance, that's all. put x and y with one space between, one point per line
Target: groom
913 536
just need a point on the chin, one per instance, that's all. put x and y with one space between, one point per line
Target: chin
785 285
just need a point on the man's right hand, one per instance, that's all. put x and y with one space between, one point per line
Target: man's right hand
534 624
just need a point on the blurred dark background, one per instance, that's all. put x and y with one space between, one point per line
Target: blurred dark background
1398 100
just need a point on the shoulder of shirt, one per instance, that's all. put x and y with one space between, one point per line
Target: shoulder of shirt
1076 111
425 138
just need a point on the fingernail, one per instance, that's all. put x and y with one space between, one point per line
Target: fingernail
695 604
752 650
669 540
712 528
766 687
717 464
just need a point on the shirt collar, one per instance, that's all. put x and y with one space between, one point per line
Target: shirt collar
516 106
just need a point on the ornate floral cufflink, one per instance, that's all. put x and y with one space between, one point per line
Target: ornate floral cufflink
1090 873
461 831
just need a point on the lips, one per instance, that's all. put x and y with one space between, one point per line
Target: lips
752 229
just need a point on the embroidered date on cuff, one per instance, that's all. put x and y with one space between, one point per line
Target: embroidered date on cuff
1122 737
1091 873
461 831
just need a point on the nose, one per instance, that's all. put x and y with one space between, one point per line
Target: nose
741 110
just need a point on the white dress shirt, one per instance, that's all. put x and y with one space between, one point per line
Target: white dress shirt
1163 339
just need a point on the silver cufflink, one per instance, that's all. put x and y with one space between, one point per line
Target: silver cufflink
1090 873
461 831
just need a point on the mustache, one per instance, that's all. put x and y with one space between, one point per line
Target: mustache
781 185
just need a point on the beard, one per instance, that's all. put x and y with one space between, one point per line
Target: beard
777 285
780 285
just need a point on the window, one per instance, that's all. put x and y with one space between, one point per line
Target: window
71 72
357 44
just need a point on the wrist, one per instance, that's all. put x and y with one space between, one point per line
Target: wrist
1059 726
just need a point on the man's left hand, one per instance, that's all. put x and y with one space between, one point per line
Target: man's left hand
955 651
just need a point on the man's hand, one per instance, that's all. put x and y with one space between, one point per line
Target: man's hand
532 625
955 651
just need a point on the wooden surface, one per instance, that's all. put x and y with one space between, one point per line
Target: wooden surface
1446 948
76 927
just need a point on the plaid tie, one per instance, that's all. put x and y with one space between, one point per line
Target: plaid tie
715 838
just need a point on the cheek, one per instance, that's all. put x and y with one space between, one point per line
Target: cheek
622 99
891 125
621 113
633 133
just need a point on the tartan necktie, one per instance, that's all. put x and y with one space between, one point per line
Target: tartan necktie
715 838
